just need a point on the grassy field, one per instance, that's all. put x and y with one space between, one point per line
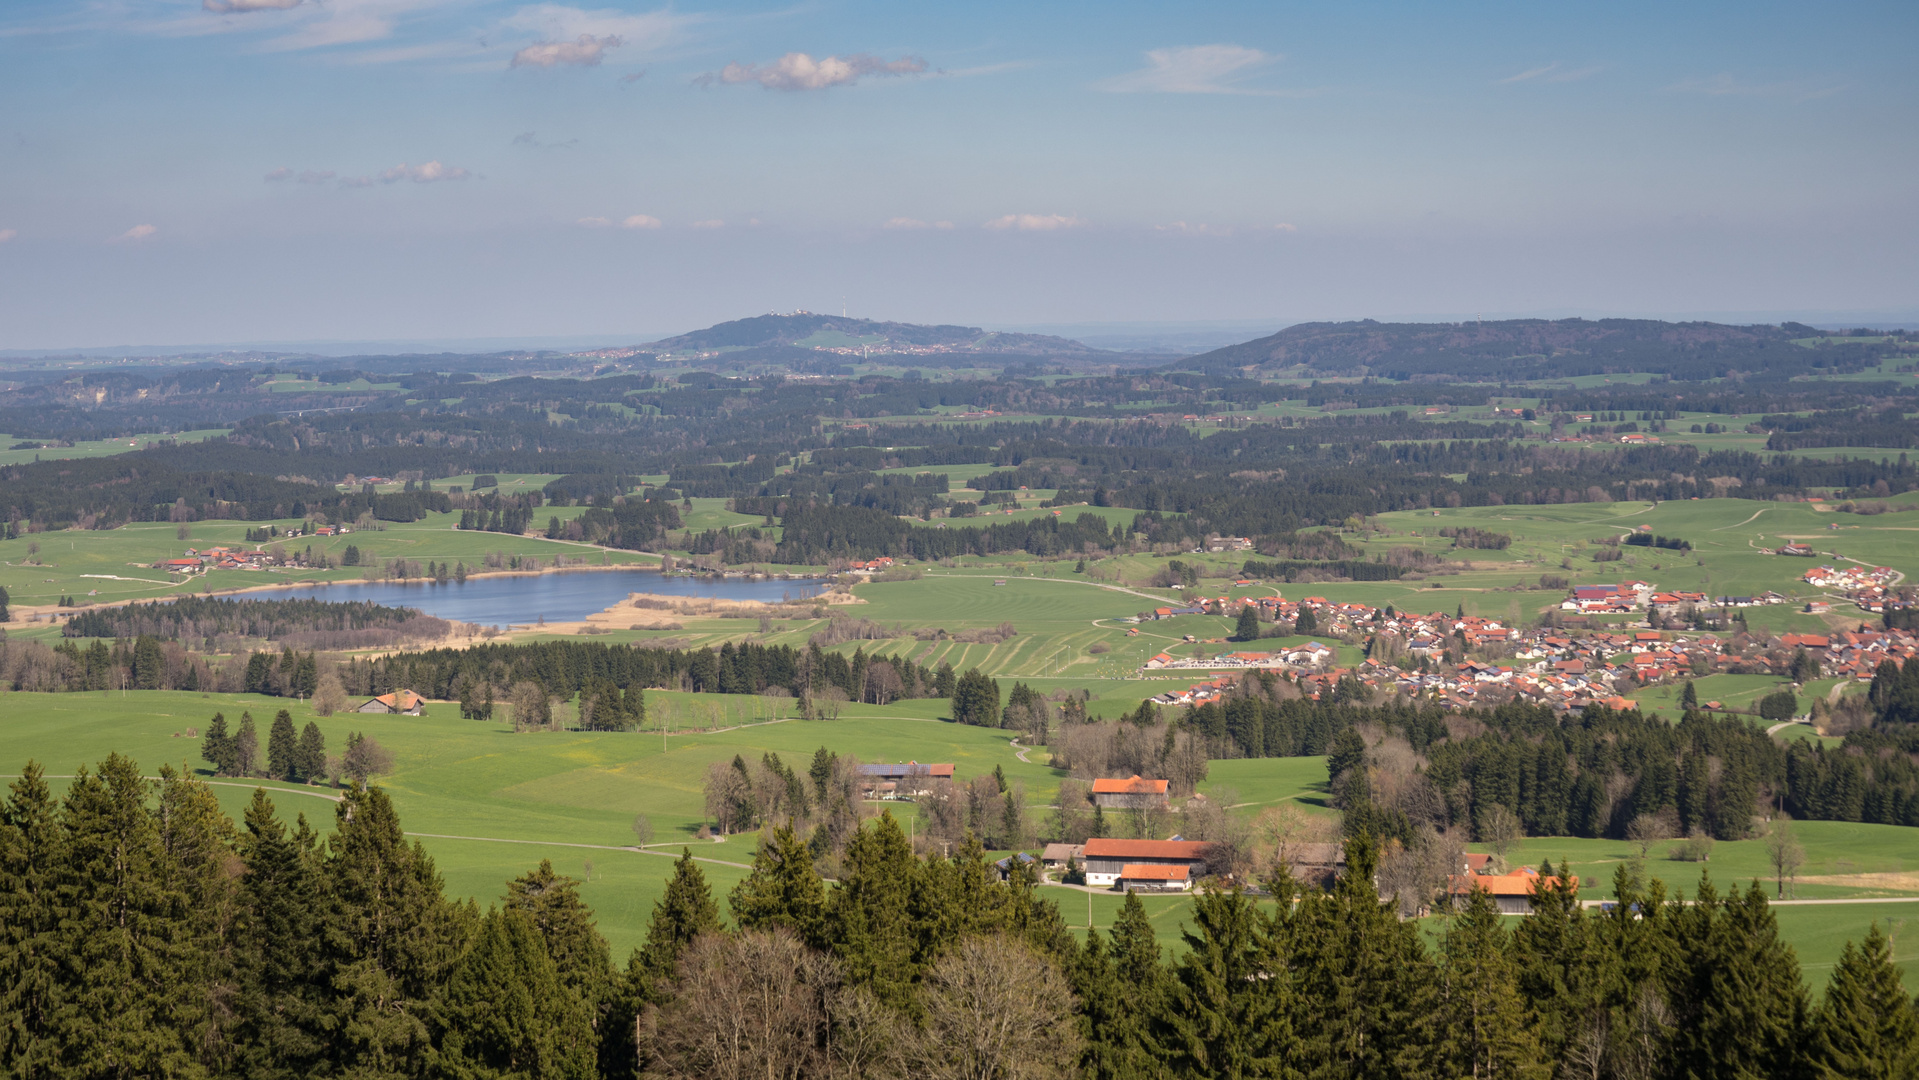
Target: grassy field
489 803
92 448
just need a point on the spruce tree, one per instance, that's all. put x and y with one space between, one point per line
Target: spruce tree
246 748
390 937
311 757
783 889
283 748
684 912
1485 1028
1248 627
1866 1028
281 979
122 942
32 853
1365 981
1306 623
196 841
1736 993
1229 1010
216 746
1689 699
868 924
581 959
504 1012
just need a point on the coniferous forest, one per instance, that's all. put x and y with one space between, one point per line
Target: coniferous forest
143 933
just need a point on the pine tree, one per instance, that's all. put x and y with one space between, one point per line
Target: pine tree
1866 1028
783 889
218 748
246 748
1229 1010
1306 623
1736 993
283 747
1484 1026
581 959
684 912
282 979
1365 981
389 936
1690 698
1248 626
120 940
311 757
505 1014
196 841
32 852
868 923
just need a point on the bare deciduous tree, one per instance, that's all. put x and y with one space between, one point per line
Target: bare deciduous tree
745 1007
1784 852
995 1010
329 696
1646 830
531 706
642 829
1500 827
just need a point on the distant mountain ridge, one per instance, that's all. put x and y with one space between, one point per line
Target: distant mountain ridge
835 333
1522 349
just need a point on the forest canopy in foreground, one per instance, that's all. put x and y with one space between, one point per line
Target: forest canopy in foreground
146 935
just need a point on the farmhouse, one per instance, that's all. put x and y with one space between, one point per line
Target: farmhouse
905 778
399 702
1513 892
1107 859
1132 793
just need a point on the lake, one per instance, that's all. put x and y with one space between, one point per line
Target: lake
560 596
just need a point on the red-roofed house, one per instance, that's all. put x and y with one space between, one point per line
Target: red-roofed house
1145 876
402 702
1106 858
1513 892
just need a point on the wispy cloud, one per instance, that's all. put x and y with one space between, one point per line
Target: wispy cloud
231 7
8 234
137 234
532 138
637 221
799 71
1553 73
304 176
581 37
1725 85
583 51
347 22
1193 69
1034 222
1201 228
428 173
914 223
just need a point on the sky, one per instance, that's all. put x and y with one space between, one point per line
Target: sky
183 171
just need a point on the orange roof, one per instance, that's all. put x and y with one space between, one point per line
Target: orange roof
1519 884
1107 848
400 700
1153 873
1133 785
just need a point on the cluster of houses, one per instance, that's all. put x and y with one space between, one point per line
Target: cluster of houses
215 558
902 780
1623 598
1869 587
1545 666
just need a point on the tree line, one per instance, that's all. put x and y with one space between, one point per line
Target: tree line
146 934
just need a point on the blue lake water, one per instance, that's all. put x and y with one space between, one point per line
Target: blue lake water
556 597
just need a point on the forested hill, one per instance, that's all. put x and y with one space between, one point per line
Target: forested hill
808 330
1522 349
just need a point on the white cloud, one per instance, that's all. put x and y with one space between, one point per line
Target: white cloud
8 234
281 173
1182 228
1191 69
1553 73
583 51
428 173
595 222
799 71
137 234
1034 222
709 223
640 221
232 7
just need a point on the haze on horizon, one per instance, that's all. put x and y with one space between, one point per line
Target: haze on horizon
250 170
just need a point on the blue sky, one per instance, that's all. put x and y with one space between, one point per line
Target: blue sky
233 170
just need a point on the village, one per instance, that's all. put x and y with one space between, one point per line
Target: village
1466 661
